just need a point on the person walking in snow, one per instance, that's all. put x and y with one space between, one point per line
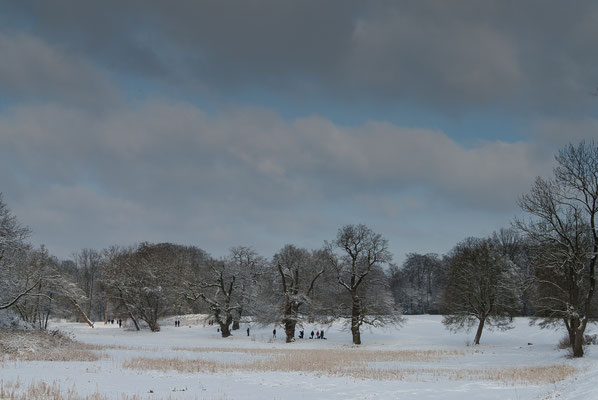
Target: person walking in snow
274 333
312 335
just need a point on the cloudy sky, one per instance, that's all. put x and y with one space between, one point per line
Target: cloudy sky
266 122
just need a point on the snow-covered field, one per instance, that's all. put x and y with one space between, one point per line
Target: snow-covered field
421 360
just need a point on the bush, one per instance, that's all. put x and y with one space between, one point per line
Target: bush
565 343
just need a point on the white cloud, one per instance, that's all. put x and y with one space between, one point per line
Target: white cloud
32 68
159 170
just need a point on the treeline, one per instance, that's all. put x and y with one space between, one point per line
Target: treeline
543 266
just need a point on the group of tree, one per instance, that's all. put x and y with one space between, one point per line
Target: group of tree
143 283
543 267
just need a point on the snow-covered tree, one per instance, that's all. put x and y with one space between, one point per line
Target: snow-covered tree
298 271
219 287
249 265
357 255
562 229
142 280
482 287
13 252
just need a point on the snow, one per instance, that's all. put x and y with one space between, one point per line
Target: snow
498 350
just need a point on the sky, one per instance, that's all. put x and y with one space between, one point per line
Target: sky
266 122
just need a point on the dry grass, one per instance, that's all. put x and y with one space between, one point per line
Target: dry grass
42 390
355 363
43 346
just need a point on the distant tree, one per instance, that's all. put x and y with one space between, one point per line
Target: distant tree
219 288
562 230
249 266
143 280
298 271
90 264
357 255
481 287
419 283
517 249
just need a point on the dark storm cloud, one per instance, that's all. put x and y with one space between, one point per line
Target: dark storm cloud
535 55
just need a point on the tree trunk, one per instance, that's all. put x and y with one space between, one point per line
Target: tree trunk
289 329
225 329
478 334
355 321
134 320
577 344
106 309
153 325
82 313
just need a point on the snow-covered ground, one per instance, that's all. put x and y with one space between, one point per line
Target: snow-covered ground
522 347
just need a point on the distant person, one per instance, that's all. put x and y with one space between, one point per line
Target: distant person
301 334
312 335
247 331
318 334
120 323
322 334
274 333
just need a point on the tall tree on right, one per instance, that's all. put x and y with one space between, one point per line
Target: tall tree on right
357 255
562 228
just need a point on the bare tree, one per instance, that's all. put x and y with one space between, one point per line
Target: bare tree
249 265
143 280
482 287
298 270
517 249
89 262
419 281
13 252
563 229
218 287
356 255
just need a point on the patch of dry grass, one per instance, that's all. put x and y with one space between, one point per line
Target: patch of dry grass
355 363
42 390
43 346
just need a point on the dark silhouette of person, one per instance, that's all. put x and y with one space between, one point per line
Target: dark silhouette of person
274 333
301 334
322 334
247 331
120 323
312 335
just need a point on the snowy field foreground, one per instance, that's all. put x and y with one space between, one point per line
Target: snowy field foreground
421 360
